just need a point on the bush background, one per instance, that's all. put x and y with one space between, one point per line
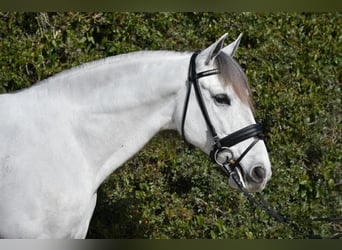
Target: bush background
293 61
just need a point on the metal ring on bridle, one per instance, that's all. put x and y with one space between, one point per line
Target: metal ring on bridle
223 159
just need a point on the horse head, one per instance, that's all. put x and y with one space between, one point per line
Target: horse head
217 116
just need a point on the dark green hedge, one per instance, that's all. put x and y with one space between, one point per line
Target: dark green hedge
293 62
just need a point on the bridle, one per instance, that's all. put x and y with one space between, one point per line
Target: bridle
221 145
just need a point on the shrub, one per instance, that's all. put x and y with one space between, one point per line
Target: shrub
293 62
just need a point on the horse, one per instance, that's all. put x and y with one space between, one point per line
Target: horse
63 136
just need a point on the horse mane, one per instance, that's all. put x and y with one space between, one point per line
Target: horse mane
232 74
107 60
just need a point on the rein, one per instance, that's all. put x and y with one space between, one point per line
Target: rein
229 165
263 204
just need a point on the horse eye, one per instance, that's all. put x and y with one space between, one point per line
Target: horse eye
222 99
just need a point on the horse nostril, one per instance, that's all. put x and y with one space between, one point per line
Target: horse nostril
258 174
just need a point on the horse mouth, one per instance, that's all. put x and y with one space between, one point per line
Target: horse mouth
239 181
244 181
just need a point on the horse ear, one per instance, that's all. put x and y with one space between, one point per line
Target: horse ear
213 50
231 48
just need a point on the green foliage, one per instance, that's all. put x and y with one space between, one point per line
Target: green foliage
293 62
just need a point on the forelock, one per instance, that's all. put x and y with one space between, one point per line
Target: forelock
233 75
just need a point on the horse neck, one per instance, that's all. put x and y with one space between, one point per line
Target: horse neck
120 104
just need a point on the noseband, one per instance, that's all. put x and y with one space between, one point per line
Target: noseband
221 145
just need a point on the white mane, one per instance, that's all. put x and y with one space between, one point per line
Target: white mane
111 60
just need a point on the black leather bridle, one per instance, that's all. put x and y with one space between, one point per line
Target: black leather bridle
229 164
220 144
